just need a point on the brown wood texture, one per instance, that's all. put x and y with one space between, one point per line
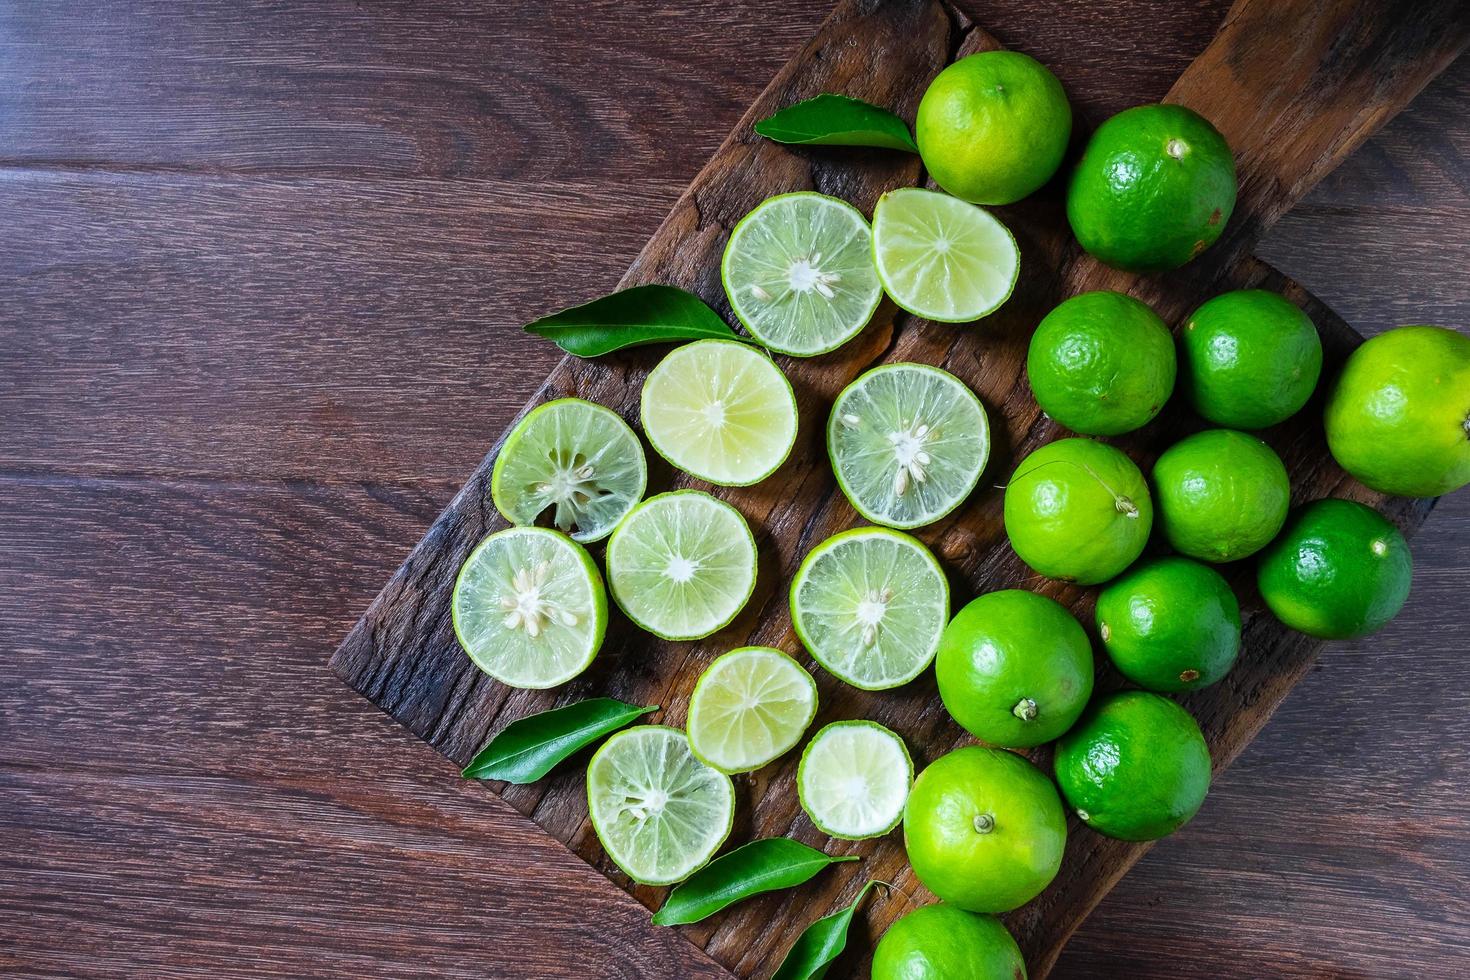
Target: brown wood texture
403 655
264 272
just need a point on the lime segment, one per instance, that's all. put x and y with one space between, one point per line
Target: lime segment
749 707
940 258
854 779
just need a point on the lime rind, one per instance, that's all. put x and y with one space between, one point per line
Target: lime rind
721 411
870 605
529 607
854 779
750 707
659 812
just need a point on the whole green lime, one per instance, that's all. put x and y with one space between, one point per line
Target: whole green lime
1136 767
992 127
1340 570
1101 363
1078 510
1171 624
1399 417
941 942
1014 668
1222 495
984 829
1249 359
1154 188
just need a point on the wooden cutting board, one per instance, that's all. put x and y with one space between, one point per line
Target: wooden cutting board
1294 86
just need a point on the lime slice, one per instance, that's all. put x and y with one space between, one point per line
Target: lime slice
854 779
682 564
941 258
907 442
799 273
749 707
529 607
660 813
721 411
870 604
572 463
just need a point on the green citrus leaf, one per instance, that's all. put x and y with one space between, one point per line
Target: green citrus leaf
651 314
760 866
527 749
837 120
821 943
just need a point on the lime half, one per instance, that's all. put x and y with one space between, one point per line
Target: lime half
529 607
854 779
749 707
572 463
721 411
907 442
941 258
871 604
682 564
660 813
798 271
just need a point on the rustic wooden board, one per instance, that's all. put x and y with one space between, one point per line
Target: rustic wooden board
1289 126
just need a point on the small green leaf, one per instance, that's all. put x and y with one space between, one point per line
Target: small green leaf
527 749
821 943
651 314
837 120
760 866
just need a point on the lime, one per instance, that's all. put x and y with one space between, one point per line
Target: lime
682 564
907 443
1340 570
748 707
721 411
1154 188
940 258
572 461
942 942
870 604
798 271
1014 668
659 812
1170 624
853 779
1249 359
1101 363
1399 417
1078 510
1136 766
1222 495
529 607
984 829
992 127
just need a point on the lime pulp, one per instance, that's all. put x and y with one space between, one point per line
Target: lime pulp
941 258
854 779
749 707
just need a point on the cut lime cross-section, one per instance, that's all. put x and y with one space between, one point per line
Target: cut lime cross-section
798 271
871 604
907 443
721 411
529 607
749 707
573 464
682 564
854 779
941 258
660 813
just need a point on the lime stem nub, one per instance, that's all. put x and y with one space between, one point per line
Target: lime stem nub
984 823
1025 709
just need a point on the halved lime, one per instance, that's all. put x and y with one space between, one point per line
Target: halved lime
941 258
721 411
798 271
573 463
854 779
907 442
682 564
749 707
871 604
529 607
660 813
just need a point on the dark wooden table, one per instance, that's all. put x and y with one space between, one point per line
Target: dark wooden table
261 270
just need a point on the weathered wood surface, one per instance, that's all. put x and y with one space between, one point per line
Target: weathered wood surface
264 272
